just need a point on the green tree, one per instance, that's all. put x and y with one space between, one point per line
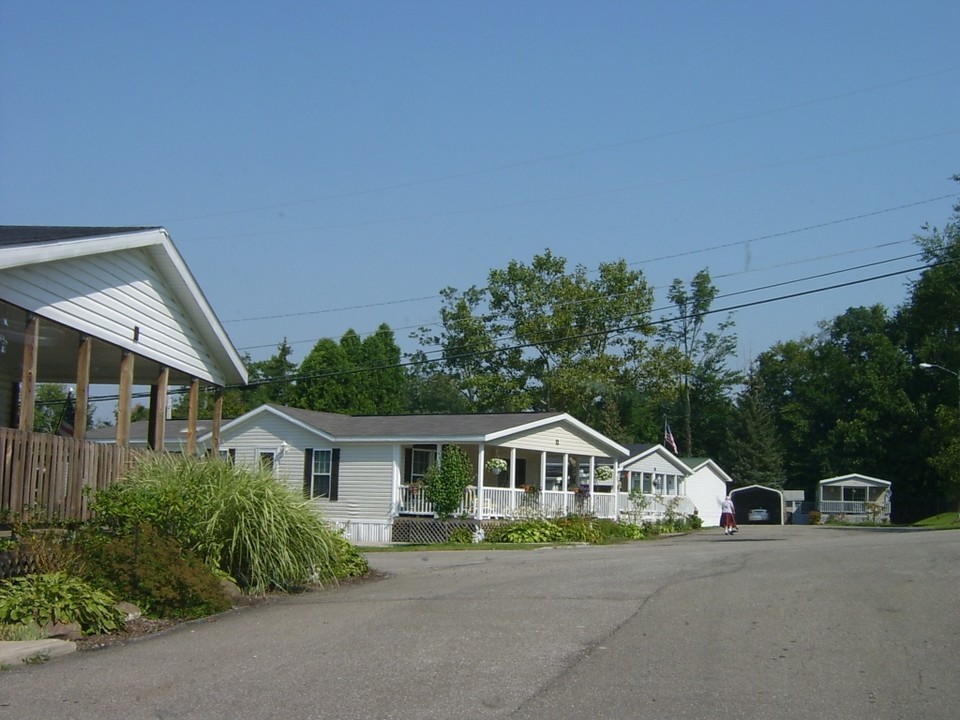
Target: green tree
928 321
433 392
354 376
703 356
270 380
841 401
51 406
446 480
542 337
752 455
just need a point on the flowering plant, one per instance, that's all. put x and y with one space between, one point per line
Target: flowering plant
603 473
497 465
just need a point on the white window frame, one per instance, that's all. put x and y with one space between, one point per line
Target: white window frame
318 455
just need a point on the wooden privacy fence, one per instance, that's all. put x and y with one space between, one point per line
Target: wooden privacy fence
45 475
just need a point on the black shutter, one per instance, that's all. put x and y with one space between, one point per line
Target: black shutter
307 471
407 465
334 474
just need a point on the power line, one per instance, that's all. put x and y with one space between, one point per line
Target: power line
712 248
580 336
596 333
577 196
726 275
577 153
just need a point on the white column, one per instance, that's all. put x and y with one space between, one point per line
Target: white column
616 490
513 478
543 472
479 509
593 461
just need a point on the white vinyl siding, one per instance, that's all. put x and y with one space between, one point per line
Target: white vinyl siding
556 439
706 491
366 470
108 296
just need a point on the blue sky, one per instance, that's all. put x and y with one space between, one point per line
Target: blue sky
332 165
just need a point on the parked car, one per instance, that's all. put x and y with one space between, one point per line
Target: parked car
758 515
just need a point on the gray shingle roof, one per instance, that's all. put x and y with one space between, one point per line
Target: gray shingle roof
426 427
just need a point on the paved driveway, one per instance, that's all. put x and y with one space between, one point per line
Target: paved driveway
792 622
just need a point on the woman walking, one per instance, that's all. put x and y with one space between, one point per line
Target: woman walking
728 516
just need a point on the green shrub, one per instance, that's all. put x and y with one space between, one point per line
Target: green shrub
154 572
348 561
579 528
613 530
58 598
461 536
242 521
531 531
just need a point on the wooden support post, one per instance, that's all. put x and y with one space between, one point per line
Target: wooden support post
28 378
192 412
126 396
156 432
83 387
217 421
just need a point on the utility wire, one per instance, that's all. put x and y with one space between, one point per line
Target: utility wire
711 248
580 336
576 153
576 196
661 309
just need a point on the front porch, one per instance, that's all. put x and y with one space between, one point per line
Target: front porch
520 503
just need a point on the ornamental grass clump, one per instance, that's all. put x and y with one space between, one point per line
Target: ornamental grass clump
241 521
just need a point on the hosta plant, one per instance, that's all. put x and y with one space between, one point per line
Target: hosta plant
57 598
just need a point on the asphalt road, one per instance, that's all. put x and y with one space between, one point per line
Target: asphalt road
793 622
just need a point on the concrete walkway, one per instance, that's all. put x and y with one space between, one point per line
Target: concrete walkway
13 652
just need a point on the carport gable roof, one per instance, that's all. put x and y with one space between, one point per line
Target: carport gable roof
855 480
465 428
638 453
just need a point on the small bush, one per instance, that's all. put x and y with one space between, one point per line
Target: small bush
531 531
579 528
56 598
613 530
153 571
461 536
348 561
814 517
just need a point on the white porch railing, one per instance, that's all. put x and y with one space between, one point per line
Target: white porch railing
854 507
498 503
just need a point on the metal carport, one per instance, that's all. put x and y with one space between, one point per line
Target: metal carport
747 498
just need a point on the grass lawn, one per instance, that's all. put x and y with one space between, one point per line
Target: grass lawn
943 521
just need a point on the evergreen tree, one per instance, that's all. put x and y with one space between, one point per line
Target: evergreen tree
752 455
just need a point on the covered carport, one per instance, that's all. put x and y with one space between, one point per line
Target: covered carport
752 497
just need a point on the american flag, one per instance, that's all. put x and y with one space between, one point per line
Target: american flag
668 437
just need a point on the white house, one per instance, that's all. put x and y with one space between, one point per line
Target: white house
706 487
364 472
654 481
855 498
